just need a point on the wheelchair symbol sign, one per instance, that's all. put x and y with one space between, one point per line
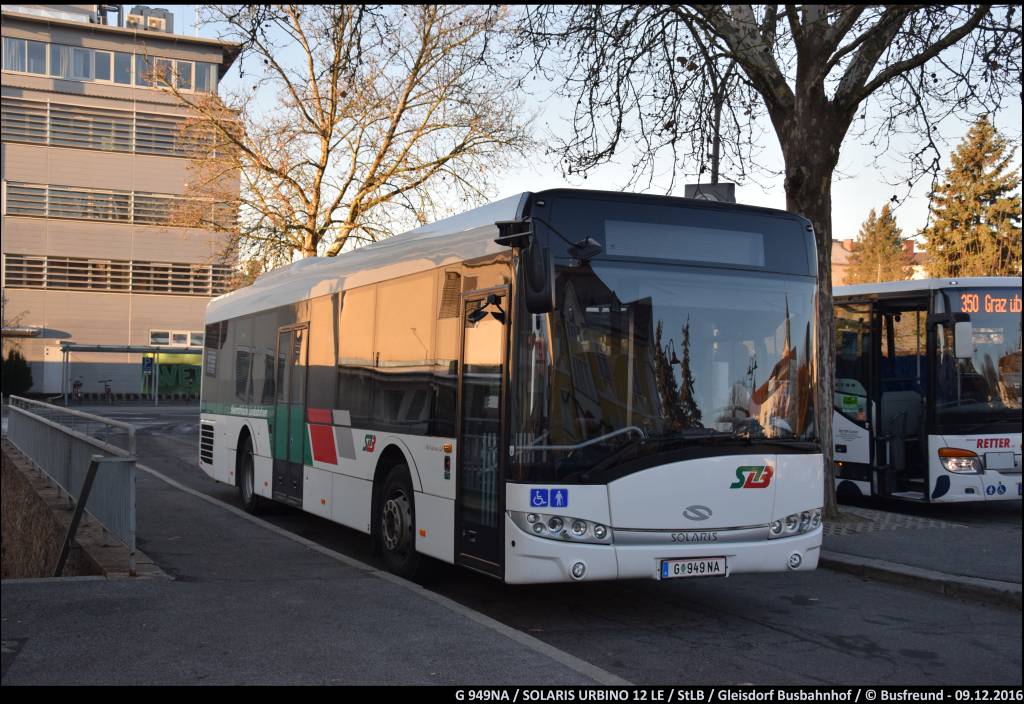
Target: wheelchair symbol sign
539 498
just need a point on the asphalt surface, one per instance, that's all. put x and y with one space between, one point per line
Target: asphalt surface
818 627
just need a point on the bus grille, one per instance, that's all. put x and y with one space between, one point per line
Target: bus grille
206 443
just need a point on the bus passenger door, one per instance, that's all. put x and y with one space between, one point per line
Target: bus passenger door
290 413
480 483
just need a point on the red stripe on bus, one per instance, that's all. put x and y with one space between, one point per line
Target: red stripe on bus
320 415
321 439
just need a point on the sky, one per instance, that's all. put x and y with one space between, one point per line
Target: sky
861 182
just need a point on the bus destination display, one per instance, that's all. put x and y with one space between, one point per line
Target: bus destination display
989 303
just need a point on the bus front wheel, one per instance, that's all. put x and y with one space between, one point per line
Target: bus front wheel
396 524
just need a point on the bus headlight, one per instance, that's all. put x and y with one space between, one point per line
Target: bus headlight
795 524
574 530
960 461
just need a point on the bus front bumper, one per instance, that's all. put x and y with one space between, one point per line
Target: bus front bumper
533 560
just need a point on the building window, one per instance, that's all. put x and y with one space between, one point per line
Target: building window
184 75
37 58
164 71
160 337
81 64
23 120
60 61
118 276
76 203
197 339
14 54
101 60
206 77
89 127
122 68
23 199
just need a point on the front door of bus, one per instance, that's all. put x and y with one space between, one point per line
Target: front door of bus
290 414
479 478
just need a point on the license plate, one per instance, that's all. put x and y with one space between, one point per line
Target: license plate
693 567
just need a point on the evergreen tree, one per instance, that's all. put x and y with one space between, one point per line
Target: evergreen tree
976 227
15 374
688 408
878 254
668 390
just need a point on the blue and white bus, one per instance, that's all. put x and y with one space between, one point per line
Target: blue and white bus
928 389
559 386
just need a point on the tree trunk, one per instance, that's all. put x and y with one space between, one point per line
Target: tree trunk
811 154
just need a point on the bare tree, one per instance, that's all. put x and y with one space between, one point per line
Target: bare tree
642 76
382 117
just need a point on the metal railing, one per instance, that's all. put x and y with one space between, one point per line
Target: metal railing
69 446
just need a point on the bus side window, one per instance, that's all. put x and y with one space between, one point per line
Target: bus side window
446 353
264 342
323 354
403 347
243 360
355 378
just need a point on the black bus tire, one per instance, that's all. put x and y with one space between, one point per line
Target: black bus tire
396 524
251 502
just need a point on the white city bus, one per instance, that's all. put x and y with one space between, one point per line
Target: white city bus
558 386
927 396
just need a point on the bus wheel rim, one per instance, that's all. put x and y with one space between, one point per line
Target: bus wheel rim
394 522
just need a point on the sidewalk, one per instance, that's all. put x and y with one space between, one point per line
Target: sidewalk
249 605
967 550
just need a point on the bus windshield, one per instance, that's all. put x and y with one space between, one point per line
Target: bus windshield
640 360
984 390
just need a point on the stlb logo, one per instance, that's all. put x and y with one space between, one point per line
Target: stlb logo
753 477
697 513
369 442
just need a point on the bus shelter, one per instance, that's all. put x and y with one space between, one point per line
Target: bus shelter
67 348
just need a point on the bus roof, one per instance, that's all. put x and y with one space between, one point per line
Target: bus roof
461 237
899 289
458 238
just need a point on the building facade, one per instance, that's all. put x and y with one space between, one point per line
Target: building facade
95 166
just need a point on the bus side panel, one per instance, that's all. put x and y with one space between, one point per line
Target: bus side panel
317 491
435 526
352 501
225 436
263 459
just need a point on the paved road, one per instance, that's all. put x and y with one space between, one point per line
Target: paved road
772 629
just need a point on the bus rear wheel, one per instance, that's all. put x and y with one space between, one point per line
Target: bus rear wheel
251 502
396 524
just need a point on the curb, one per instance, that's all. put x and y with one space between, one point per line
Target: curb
1006 594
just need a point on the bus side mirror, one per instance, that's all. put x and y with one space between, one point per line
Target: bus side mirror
963 339
536 262
538 278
